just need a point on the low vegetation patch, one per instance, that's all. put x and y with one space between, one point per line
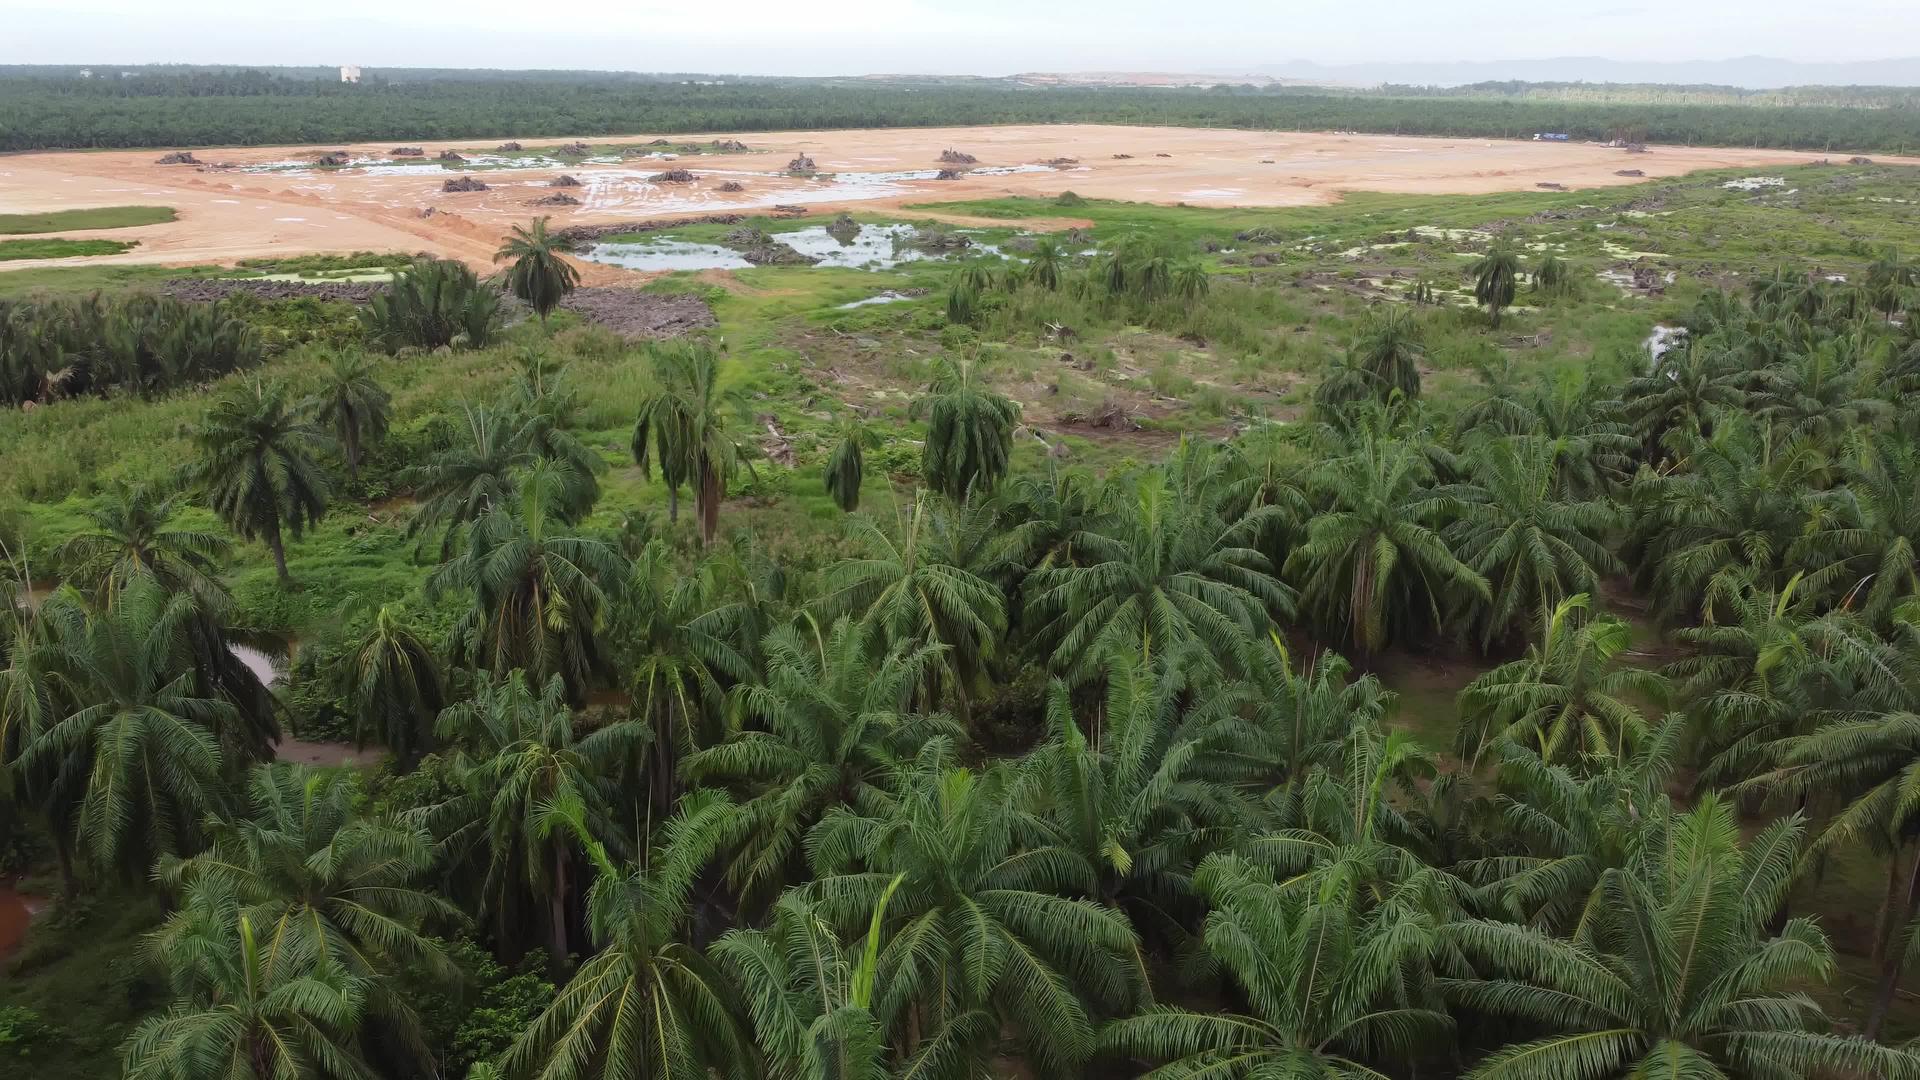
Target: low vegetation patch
56 248
105 217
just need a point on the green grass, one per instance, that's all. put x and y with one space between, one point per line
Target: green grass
105 217
83 974
12 250
87 279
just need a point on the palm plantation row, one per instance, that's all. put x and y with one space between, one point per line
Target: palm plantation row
1050 768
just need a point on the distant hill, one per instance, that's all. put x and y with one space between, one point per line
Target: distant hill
1748 72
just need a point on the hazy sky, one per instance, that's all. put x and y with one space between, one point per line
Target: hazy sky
990 37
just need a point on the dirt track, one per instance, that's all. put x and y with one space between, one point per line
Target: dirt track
233 213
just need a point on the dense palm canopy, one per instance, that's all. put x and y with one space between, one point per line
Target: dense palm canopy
134 534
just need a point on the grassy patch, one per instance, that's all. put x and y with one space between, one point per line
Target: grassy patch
104 217
12 250
84 975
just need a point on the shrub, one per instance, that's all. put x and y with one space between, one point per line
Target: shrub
438 302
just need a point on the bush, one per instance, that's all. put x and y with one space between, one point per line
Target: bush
436 303
20 1027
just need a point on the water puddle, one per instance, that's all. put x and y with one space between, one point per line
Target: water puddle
1663 340
888 297
1755 183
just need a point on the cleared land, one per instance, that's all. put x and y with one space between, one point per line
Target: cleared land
258 202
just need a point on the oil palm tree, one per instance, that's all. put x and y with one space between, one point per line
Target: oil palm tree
648 1005
1515 528
545 409
846 465
1330 991
244 1011
1687 386
1375 563
978 936
1389 350
685 422
134 534
1280 722
1043 266
1818 395
914 591
1677 972
969 432
353 405
313 877
257 464
135 745
810 997
827 727
1571 693
1163 573
1496 277
469 479
525 762
1868 559
395 688
540 275
1191 282
539 597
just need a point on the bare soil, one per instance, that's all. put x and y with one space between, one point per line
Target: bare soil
228 213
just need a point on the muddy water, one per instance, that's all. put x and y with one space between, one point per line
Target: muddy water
15 913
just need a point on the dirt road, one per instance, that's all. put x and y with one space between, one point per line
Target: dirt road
272 201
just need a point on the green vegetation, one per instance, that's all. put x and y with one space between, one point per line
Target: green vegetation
166 107
57 248
105 217
1072 669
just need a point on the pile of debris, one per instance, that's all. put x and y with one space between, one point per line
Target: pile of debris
801 164
733 185
450 157
1110 416
1163 155
463 183
673 176
178 157
333 159
408 151
508 147
574 149
1122 157
1061 162
1859 161
208 290
661 142
563 180
1551 186
1629 172
1260 235
558 198
727 146
844 229
955 157
931 239
758 247
788 210
949 174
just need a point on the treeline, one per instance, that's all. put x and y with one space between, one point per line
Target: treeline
254 108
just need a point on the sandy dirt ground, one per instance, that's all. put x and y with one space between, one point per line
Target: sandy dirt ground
254 202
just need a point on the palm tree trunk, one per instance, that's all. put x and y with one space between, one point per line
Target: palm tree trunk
1883 926
673 504
69 878
707 497
279 549
1895 956
557 906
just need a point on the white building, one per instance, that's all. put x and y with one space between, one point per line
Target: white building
349 74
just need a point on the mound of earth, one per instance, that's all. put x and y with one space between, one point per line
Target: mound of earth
408 151
956 157
732 185
728 146
632 313
333 159
463 183
673 176
206 291
949 174
178 157
558 198
563 180
801 164
450 156
508 147
574 149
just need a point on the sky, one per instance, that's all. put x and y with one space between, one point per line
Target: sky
981 37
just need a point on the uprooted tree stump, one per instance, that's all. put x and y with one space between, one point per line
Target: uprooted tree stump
733 185
508 147
949 174
563 180
333 159
802 164
673 176
178 157
408 151
463 183
956 157
558 198
727 146
574 149
449 156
